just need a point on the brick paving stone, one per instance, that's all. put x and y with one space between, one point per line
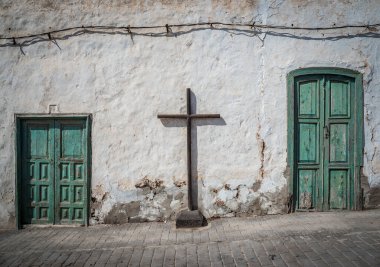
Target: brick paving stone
269 247
158 256
164 237
82 259
320 263
288 258
360 263
197 237
169 256
191 254
125 257
203 255
311 255
279 245
70 260
115 256
91 261
16 260
226 254
52 258
261 254
146 258
304 261
237 253
301 239
215 257
277 261
345 262
180 256
326 257
58 262
204 235
249 254
104 256
172 237
136 257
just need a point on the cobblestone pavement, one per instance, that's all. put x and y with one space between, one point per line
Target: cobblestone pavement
299 239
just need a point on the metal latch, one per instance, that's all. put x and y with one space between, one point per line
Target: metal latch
326 132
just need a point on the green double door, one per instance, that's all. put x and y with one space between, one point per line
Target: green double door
324 142
53 171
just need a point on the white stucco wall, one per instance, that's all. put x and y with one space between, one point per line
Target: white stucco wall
124 84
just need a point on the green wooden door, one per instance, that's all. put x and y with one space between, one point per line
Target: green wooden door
324 142
37 190
71 166
54 171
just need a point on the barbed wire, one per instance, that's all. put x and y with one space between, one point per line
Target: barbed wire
168 28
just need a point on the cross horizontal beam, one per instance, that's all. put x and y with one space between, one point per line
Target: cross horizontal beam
185 116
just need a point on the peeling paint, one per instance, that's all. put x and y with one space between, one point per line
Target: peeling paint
305 200
146 182
261 145
180 183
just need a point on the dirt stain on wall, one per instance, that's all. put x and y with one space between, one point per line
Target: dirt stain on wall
123 213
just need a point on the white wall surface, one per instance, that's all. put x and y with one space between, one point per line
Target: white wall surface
124 84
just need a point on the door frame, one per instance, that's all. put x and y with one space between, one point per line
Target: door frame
355 200
18 118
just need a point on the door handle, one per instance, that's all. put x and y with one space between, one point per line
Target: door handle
326 132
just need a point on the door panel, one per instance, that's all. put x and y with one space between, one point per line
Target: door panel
308 142
308 136
71 161
308 99
38 174
54 171
71 140
338 143
307 179
338 189
339 99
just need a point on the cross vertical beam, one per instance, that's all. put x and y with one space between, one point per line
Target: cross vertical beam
189 117
190 197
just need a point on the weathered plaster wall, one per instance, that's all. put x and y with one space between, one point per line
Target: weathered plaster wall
139 162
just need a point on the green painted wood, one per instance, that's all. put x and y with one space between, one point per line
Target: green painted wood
324 141
18 184
339 144
307 197
308 96
53 171
308 160
339 147
38 172
71 171
338 189
340 96
308 142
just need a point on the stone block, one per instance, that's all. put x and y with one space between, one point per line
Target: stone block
190 218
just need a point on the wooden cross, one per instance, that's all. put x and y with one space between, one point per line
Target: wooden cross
188 117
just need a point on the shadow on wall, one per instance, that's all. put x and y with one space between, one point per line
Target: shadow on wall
374 198
370 195
194 143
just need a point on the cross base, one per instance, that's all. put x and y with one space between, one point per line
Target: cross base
190 218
